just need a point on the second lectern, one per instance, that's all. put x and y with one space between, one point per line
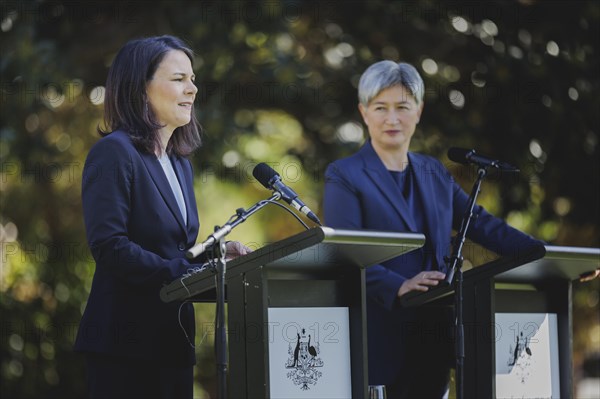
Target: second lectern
296 315
518 322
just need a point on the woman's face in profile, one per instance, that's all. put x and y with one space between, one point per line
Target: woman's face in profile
171 91
391 118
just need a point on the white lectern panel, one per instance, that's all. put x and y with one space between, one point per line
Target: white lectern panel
527 355
309 353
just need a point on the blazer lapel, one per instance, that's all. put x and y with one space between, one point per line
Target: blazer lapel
377 172
423 173
161 182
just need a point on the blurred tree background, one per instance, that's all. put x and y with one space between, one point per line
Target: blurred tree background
277 80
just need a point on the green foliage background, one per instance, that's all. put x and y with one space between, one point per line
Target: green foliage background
277 83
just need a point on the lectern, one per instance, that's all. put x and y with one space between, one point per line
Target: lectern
518 322
296 312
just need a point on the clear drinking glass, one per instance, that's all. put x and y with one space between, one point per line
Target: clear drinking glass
377 392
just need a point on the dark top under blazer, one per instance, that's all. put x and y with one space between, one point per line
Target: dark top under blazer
138 239
360 193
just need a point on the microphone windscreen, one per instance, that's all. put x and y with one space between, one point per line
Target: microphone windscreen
264 173
458 155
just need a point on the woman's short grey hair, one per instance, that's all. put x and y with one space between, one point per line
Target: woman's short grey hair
385 74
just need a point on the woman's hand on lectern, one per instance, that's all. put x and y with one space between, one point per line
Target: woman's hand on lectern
235 249
421 282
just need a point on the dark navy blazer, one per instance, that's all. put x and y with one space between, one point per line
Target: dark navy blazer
360 193
138 239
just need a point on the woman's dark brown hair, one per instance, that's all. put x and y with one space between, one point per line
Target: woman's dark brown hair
126 104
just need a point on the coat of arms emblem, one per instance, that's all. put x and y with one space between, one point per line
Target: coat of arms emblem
521 357
303 361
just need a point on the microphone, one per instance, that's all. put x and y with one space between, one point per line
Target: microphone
466 157
200 248
271 180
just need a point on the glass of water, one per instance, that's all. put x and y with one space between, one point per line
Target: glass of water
377 392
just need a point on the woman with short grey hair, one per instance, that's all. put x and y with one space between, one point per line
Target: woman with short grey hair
386 187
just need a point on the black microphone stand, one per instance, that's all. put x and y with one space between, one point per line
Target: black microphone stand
220 329
455 262
220 268
219 252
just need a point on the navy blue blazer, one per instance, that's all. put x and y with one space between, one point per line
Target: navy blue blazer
137 236
360 193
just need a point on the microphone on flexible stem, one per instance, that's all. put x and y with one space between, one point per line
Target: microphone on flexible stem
466 157
271 180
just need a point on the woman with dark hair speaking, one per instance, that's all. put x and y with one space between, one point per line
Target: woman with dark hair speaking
386 187
140 217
